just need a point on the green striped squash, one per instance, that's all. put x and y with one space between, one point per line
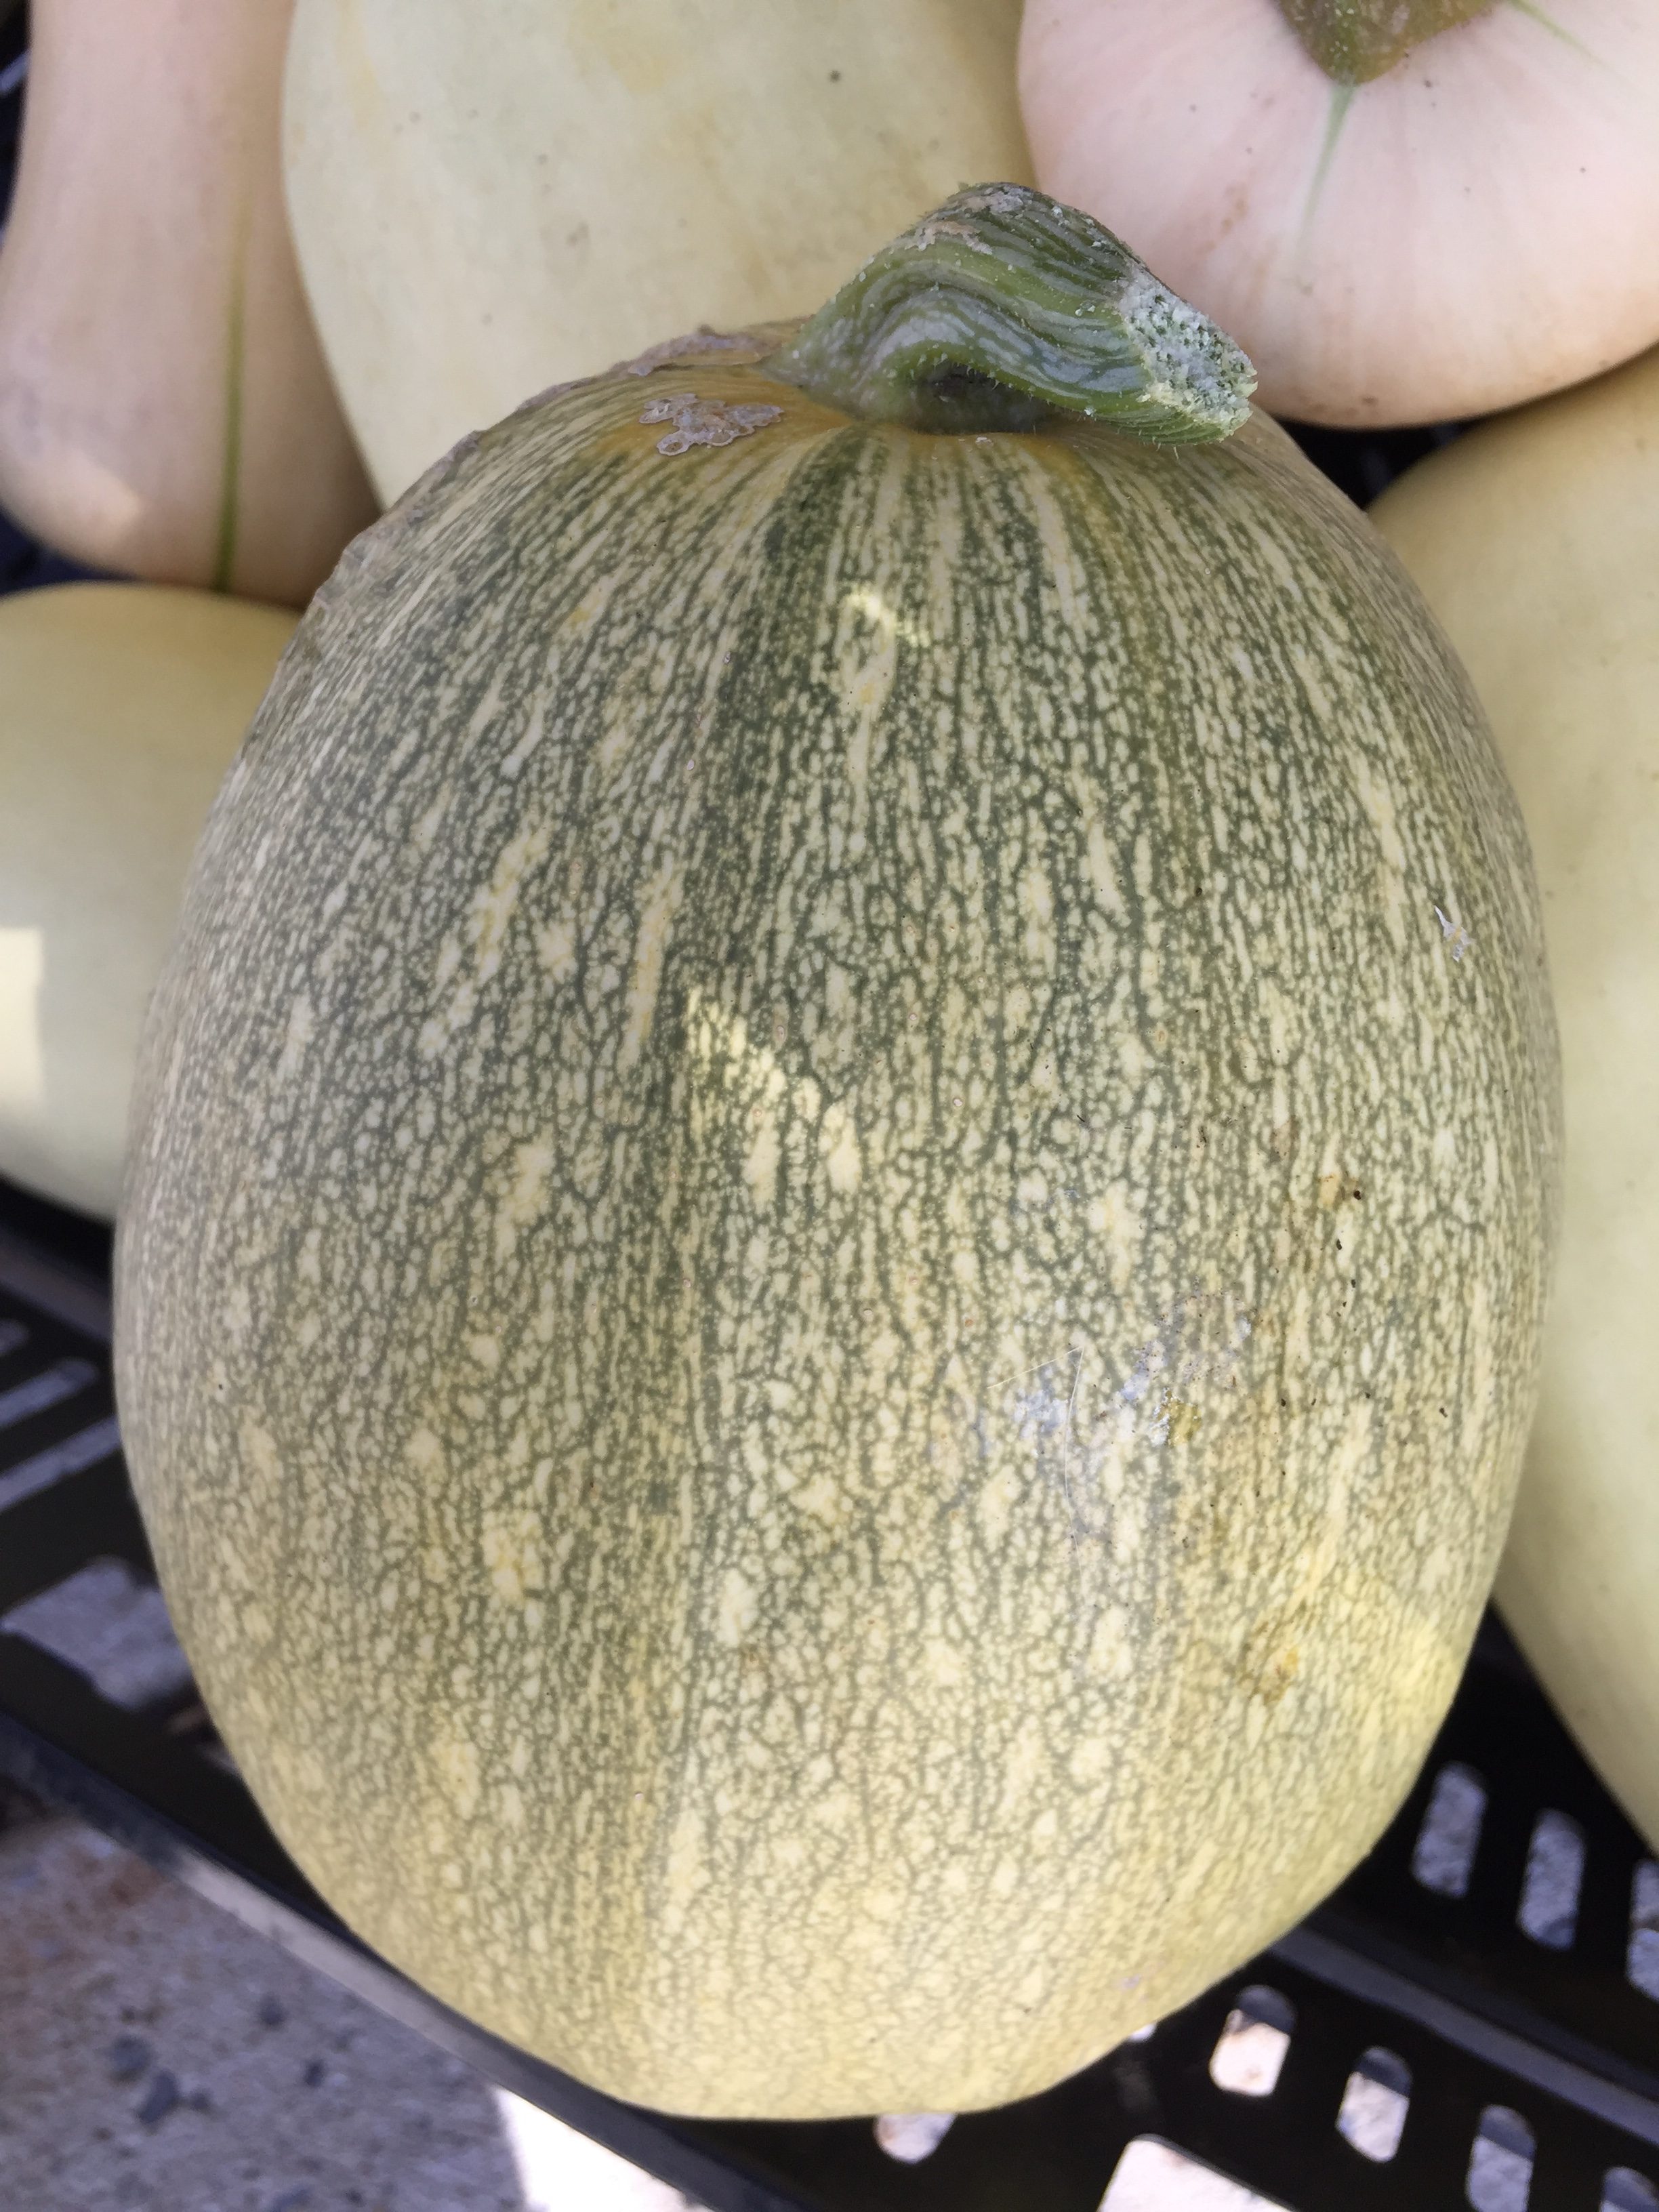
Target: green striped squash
841 1190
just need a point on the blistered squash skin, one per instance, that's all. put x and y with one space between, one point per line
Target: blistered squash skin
833 1278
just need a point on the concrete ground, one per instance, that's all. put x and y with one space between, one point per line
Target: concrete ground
157 2056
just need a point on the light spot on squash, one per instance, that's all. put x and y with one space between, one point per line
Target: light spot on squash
527 744
484 713
1032 1990
511 1541
556 948
735 1609
760 1167
491 914
526 1195
836 1809
1110 1655
1271 1658
260 1453
301 1028
1112 1217
1103 871
425 1452
864 600
840 1146
457 1765
1091 1757
1036 899
1177 1422
431 821
996 1505
823 1498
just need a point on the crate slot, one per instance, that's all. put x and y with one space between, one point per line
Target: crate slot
99 1440
1442 1857
1154 2177
66 1378
1642 1959
1548 1911
1375 2099
1500 2163
912 2137
1250 2054
1623 2189
112 1625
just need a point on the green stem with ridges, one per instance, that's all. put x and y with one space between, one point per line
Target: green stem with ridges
1003 308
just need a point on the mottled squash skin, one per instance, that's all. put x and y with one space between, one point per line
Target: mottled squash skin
833 1276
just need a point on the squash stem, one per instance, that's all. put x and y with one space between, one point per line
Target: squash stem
1002 308
1355 41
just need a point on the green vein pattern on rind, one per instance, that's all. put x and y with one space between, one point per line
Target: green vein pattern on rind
831 1281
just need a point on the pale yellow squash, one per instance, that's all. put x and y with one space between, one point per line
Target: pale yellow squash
121 706
164 410
1536 540
490 198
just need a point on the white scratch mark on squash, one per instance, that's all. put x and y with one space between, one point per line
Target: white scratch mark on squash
1377 801
661 903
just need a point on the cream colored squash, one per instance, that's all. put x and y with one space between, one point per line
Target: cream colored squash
120 707
493 196
164 410
1537 542
1470 227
